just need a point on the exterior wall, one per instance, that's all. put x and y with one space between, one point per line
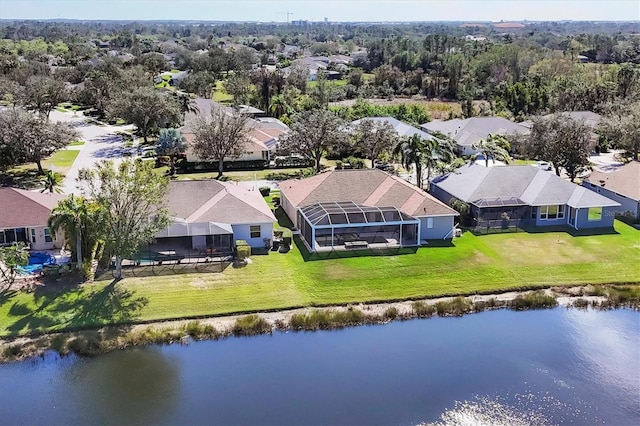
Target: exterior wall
243 232
552 222
442 228
247 156
40 243
466 150
440 193
289 209
627 204
583 222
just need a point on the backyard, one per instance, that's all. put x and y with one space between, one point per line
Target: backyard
285 280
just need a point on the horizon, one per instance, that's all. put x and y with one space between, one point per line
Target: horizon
333 11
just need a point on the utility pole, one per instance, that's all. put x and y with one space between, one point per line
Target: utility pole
288 14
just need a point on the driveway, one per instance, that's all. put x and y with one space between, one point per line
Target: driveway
101 143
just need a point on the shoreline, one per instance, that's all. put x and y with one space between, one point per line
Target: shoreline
96 341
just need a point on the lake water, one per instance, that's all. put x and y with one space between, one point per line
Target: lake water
501 367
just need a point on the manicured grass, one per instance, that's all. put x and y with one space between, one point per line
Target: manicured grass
76 143
284 280
335 83
247 175
62 159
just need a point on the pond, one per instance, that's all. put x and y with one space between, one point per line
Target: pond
502 367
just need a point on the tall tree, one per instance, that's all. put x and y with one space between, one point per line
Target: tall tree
493 146
131 199
70 216
238 85
27 138
440 153
373 138
313 133
43 94
147 108
563 141
412 151
621 127
222 134
171 143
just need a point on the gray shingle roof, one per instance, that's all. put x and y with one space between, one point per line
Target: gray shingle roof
402 129
535 187
470 130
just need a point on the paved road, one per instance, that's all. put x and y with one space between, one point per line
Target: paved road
101 143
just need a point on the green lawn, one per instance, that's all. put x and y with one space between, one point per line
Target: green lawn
246 175
284 280
61 160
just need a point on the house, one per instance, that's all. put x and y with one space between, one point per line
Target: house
211 215
621 185
589 118
402 129
24 216
264 132
468 131
367 207
523 196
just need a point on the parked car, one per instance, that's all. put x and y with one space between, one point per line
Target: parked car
543 165
386 167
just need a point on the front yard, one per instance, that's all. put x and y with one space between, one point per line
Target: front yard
277 281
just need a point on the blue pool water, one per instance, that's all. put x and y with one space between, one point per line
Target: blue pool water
36 262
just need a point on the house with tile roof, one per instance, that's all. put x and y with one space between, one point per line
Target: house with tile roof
366 208
211 215
263 138
468 131
621 185
24 216
523 196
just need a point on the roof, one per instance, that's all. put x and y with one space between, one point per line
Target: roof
365 187
327 214
518 185
470 130
210 200
402 129
20 208
624 180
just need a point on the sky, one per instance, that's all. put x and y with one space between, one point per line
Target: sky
316 10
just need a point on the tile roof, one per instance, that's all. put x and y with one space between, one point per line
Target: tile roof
214 201
367 187
535 187
470 130
20 208
625 180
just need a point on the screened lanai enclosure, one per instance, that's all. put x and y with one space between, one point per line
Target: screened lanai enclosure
347 225
500 212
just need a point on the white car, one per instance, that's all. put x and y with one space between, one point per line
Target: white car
543 165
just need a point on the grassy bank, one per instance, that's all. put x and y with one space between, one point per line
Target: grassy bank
473 264
98 341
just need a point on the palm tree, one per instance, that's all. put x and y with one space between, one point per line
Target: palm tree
71 216
279 106
492 146
439 150
171 143
412 150
52 182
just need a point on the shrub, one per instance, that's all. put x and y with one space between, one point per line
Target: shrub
86 344
265 191
250 325
534 300
423 310
324 320
391 313
197 330
457 306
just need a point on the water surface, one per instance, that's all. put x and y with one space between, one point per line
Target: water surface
554 366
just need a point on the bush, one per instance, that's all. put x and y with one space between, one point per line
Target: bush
457 306
265 191
201 331
324 320
391 313
534 300
353 162
250 325
423 310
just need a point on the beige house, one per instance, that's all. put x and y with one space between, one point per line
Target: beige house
24 216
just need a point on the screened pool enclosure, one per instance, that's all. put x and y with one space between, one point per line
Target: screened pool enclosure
347 225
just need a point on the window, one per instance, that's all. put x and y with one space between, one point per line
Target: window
429 222
255 231
595 213
47 236
552 212
33 235
534 212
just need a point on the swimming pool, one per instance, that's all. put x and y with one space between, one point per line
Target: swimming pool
36 262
